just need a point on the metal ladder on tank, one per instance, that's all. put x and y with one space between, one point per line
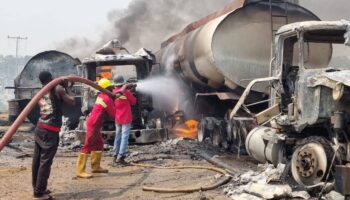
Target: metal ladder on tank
278 19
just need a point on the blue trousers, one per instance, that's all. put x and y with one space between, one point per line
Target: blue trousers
121 140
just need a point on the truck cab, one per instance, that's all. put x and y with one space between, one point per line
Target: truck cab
306 124
313 99
309 90
133 68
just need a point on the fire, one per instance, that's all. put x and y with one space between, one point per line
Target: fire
104 72
189 129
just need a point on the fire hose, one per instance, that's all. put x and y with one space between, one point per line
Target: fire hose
33 102
187 189
13 128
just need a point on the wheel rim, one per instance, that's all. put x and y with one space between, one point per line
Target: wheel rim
309 164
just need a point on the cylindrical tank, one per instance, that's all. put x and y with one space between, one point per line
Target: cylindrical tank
230 50
27 83
14 110
260 149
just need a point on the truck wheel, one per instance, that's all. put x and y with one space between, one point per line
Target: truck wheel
311 161
202 130
216 136
229 130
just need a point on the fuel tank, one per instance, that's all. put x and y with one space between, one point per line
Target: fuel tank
230 47
27 83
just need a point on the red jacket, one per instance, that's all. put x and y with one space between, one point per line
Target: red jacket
123 114
103 107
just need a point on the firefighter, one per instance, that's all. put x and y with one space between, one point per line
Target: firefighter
123 119
103 108
46 133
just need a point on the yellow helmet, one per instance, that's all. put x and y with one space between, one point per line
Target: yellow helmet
105 83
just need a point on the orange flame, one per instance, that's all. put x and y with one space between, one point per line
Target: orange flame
189 129
104 72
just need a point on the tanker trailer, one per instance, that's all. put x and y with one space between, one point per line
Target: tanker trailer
288 107
27 84
220 54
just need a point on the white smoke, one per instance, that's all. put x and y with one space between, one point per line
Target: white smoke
166 92
3 101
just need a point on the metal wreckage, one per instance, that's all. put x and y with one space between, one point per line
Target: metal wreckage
260 81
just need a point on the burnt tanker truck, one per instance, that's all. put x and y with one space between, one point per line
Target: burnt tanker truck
104 64
269 88
258 77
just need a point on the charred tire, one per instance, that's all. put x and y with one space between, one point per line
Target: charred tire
311 161
216 136
229 131
202 131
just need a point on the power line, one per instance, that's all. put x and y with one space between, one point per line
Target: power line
18 39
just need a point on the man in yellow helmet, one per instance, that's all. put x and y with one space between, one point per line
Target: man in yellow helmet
102 109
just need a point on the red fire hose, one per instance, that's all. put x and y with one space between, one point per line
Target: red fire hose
12 130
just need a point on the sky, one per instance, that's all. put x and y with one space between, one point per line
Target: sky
48 22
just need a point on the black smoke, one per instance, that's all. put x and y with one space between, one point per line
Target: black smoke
144 23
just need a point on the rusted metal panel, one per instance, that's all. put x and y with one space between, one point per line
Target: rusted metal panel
220 95
268 114
330 79
342 179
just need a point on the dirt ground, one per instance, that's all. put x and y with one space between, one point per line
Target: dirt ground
120 182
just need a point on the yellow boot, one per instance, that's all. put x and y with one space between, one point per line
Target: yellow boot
96 162
81 165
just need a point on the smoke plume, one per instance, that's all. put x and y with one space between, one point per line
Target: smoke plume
145 23
328 10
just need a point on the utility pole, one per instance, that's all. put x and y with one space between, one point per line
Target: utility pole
17 38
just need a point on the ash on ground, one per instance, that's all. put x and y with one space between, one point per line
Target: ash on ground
250 180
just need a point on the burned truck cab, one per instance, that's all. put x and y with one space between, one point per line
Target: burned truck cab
132 67
314 101
307 122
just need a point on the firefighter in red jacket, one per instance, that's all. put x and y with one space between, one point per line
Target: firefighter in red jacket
123 119
103 108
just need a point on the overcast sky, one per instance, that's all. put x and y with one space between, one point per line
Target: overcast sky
46 22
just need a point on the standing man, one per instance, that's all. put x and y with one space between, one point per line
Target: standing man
102 109
46 133
123 119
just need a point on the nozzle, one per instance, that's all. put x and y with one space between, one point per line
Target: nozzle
131 86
